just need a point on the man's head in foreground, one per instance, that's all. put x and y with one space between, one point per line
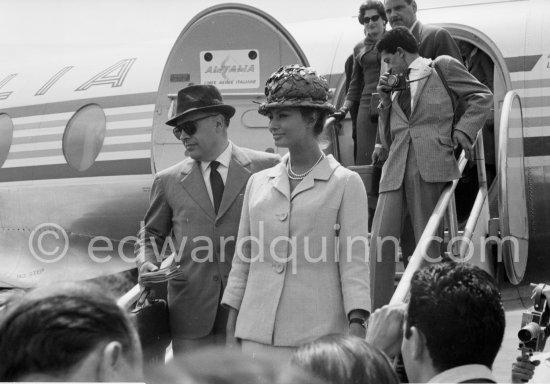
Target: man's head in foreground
68 332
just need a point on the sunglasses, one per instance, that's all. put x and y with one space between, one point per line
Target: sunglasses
367 20
189 127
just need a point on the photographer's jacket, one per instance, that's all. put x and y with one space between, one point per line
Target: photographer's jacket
430 127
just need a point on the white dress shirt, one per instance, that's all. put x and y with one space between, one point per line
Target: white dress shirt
224 158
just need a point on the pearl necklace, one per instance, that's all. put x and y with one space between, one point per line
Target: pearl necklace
296 176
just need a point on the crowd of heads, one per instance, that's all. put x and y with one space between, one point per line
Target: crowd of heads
78 332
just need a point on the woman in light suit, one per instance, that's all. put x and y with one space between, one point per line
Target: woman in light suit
300 270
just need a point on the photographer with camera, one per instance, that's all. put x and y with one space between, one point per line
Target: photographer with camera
451 329
417 128
534 332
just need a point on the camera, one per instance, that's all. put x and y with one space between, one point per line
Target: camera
397 82
535 327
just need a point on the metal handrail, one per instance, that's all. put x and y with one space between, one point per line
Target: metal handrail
480 198
446 206
417 260
129 298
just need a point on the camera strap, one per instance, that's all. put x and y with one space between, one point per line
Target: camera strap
446 85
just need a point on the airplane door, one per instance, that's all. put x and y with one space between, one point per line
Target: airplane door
514 228
234 47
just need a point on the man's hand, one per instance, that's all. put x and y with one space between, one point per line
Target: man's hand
379 156
461 139
385 329
340 114
358 330
384 90
523 369
146 267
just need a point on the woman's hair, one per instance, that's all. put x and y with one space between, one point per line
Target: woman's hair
319 115
217 365
345 360
377 5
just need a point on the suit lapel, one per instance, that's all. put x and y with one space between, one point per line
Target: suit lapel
322 171
237 176
279 178
193 183
425 74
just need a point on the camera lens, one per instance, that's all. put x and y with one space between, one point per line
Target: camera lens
529 332
393 81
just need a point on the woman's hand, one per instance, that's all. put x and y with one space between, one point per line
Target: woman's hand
231 342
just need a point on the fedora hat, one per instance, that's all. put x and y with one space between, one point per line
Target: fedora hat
199 98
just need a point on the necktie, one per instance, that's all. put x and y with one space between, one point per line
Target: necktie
216 183
404 99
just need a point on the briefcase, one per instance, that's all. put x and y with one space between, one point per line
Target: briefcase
153 326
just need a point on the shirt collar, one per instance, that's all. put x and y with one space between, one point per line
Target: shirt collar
414 25
463 373
224 158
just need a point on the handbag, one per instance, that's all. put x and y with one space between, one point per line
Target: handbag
153 325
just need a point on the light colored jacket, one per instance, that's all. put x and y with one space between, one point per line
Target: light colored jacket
429 128
181 209
288 283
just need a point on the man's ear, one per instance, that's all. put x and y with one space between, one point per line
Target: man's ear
110 361
400 51
418 343
414 6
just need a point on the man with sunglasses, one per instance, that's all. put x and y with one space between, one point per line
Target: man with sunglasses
195 211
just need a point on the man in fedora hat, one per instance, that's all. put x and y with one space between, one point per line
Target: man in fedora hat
194 212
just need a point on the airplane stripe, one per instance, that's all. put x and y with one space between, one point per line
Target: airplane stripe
527 84
522 63
125 139
39 132
535 102
50 121
144 124
58 136
53 149
539 161
146 109
146 153
129 116
22 162
71 106
35 147
536 146
62 171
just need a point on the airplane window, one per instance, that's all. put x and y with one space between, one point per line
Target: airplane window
6 135
83 137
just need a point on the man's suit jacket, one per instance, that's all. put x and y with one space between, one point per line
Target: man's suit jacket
429 127
435 41
287 294
181 211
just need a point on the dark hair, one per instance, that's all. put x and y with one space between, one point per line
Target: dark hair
457 307
345 360
318 114
377 5
52 329
395 38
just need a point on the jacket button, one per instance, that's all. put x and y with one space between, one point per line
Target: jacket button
283 216
279 267
216 278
